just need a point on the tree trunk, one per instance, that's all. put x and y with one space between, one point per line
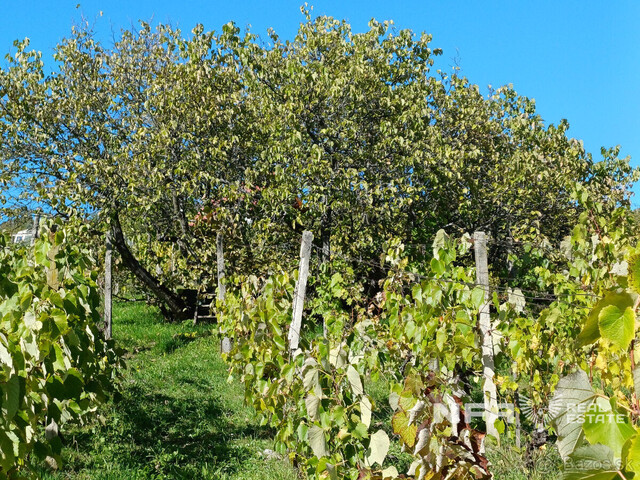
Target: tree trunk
177 307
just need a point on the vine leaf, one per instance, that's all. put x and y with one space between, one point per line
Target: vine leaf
604 425
310 377
333 471
633 275
572 398
317 441
338 357
417 409
52 278
591 462
355 381
592 329
401 426
5 356
390 473
636 380
7 446
438 266
477 297
423 441
590 332
631 455
365 411
312 402
379 447
12 389
617 325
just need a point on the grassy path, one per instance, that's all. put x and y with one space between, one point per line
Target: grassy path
178 417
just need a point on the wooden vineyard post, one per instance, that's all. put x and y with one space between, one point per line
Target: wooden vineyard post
222 289
299 293
225 345
36 228
517 420
108 287
484 321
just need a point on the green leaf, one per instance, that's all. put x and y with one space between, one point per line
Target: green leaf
7 449
631 454
5 356
355 381
312 402
12 400
338 357
437 266
60 319
604 425
572 397
360 431
591 462
592 330
617 326
390 473
401 427
378 446
73 384
441 338
633 275
311 380
280 343
416 292
332 471
55 388
317 441
58 363
477 297
365 411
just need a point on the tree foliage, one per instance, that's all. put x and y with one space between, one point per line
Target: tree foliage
167 139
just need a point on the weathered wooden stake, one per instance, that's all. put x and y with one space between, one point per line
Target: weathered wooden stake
222 289
225 345
108 287
36 228
299 293
517 420
484 321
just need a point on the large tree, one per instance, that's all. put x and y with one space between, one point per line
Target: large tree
135 137
164 140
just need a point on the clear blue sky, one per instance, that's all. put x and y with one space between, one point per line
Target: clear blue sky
579 60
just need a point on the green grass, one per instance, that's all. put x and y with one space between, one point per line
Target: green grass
511 463
177 418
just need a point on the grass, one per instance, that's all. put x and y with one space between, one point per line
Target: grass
509 463
178 418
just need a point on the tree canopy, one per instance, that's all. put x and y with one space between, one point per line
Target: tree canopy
165 139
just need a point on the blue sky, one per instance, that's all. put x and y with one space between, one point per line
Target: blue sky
579 60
